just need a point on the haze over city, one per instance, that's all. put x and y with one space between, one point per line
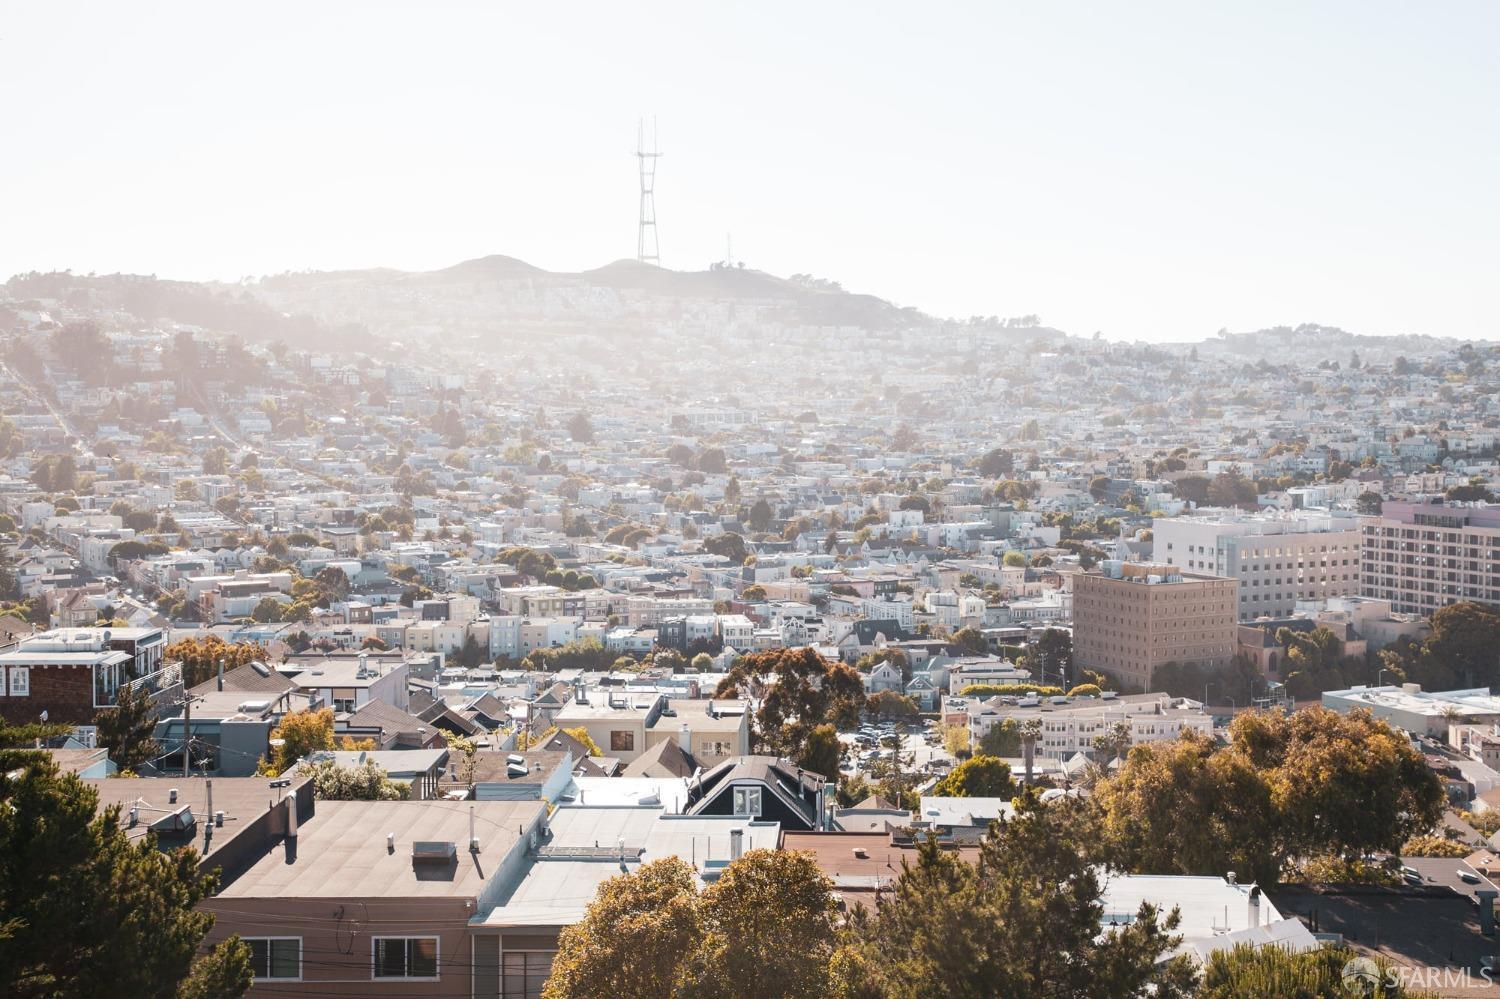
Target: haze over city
1154 170
778 502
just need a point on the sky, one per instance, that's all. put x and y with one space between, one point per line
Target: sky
1147 170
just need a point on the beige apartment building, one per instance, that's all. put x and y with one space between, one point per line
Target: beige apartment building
1279 558
1132 618
1422 557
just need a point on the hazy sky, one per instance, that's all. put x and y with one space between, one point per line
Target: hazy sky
1152 170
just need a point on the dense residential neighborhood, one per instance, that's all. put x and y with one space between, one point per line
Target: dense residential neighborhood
422 655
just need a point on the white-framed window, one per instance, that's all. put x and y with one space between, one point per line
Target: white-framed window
278 958
404 957
524 972
747 801
20 681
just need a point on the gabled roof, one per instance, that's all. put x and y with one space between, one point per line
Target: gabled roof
256 678
665 759
785 780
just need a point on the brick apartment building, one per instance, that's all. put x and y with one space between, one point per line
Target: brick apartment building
1131 618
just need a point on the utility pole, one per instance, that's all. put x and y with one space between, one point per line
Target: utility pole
187 734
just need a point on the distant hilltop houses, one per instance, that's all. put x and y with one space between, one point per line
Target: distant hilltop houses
422 605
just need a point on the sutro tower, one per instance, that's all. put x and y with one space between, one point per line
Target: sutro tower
647 250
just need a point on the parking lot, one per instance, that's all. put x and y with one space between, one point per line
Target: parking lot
918 743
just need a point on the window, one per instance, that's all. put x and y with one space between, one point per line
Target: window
275 957
747 801
20 681
406 957
621 740
524 973
343 705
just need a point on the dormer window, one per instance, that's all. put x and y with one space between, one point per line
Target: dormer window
747 801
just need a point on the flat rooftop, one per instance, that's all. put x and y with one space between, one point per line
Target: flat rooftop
241 799
583 853
342 853
340 673
1476 700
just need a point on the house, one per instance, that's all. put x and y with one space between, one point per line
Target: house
421 769
586 845
231 821
884 676
71 674
761 787
344 684
375 898
537 775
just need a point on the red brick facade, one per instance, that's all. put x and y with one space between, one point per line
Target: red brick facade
66 693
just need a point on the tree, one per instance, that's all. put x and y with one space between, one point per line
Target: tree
969 931
1003 739
1231 488
1014 559
1246 971
87 911
301 733
712 461
127 728
760 514
1369 503
889 704
769 930
1192 488
979 777
729 545
267 609
1099 487
702 663
997 464
1113 742
1212 811
223 973
1314 783
633 936
365 781
764 929
581 735
216 461
822 752
1051 656
971 640
580 428
798 690
200 657
754 593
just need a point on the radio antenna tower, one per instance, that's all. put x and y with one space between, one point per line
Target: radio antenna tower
647 250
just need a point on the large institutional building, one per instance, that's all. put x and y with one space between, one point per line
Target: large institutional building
1422 557
1279 559
1131 618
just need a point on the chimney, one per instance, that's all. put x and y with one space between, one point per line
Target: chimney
208 786
1486 900
685 739
172 796
221 674
291 816
1253 917
473 834
736 844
